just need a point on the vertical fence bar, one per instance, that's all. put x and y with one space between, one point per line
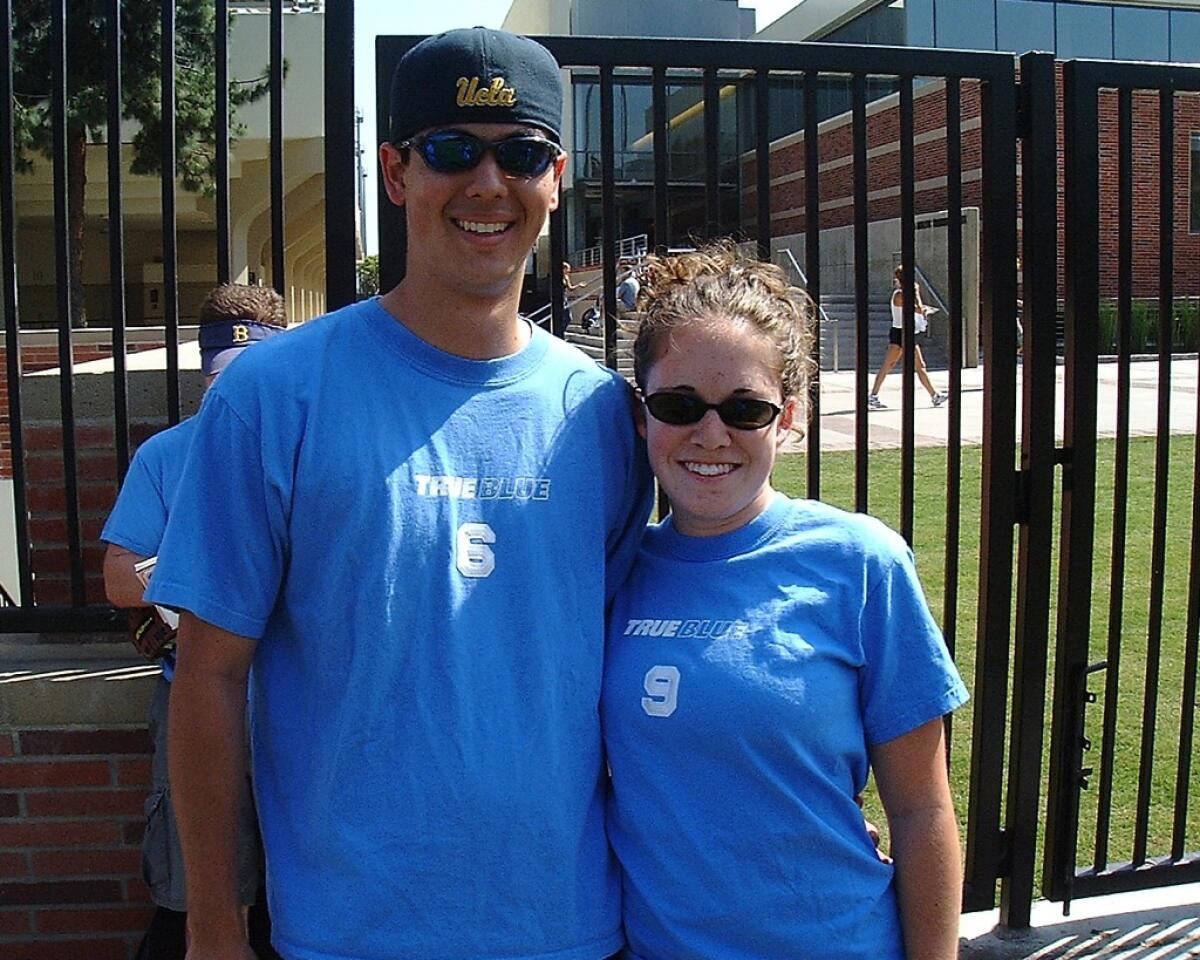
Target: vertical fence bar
12 315
1162 463
608 212
278 279
954 427
64 278
762 161
662 222
221 136
393 230
998 499
116 238
341 169
1039 185
812 270
560 315
1116 583
862 290
1187 707
712 154
169 240
908 247
1081 234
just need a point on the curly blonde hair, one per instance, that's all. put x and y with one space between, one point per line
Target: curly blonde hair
719 284
239 301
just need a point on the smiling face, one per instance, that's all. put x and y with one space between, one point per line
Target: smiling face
469 233
718 478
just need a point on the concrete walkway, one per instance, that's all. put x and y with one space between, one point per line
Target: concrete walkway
838 406
1162 924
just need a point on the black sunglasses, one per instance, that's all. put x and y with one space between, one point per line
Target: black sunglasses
455 151
741 413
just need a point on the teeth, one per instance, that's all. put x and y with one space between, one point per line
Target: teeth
472 226
709 469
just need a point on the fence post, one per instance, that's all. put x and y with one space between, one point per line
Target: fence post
1039 247
985 840
341 165
1081 235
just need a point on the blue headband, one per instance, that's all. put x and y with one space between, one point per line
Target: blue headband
220 342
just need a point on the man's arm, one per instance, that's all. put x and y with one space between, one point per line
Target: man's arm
910 772
207 763
121 585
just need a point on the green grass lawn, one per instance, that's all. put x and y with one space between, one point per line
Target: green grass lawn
929 542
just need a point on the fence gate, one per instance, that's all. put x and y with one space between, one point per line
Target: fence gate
1125 676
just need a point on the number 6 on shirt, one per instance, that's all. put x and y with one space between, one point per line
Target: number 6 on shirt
472 555
662 685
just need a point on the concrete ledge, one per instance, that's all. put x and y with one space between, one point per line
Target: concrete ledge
85 685
1163 924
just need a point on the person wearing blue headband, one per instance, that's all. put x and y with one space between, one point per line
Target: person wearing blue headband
232 317
408 531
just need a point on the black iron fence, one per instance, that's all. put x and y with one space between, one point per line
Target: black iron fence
984 121
1099 649
62 96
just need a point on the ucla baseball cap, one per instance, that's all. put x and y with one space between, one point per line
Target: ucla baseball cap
475 75
223 340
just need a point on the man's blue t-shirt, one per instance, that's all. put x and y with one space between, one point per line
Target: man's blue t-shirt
139 516
748 674
424 545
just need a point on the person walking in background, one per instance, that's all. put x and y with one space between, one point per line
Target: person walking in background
232 317
764 656
895 350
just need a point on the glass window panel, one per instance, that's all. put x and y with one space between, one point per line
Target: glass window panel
1024 25
1084 30
1185 36
1194 226
918 25
1141 34
965 24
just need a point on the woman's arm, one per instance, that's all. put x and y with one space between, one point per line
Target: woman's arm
910 772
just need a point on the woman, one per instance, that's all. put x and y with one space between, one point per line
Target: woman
763 655
895 348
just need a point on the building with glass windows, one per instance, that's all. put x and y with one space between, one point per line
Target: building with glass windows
1105 31
1164 31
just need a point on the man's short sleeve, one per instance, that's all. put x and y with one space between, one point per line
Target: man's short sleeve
222 557
908 677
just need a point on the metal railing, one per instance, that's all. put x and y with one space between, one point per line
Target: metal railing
823 318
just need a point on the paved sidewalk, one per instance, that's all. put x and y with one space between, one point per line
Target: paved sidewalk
1162 924
838 406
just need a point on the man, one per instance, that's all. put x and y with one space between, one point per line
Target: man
629 288
403 533
231 318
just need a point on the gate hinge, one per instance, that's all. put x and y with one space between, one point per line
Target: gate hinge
1021 496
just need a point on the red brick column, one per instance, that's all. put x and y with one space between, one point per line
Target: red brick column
71 821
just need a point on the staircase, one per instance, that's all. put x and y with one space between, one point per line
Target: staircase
592 342
840 327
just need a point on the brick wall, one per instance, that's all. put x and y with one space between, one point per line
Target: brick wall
40 352
836 173
96 474
71 802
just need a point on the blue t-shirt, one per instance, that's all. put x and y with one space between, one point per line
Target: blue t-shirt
422 543
747 676
139 516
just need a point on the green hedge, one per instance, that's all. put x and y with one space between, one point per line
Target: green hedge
1143 326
